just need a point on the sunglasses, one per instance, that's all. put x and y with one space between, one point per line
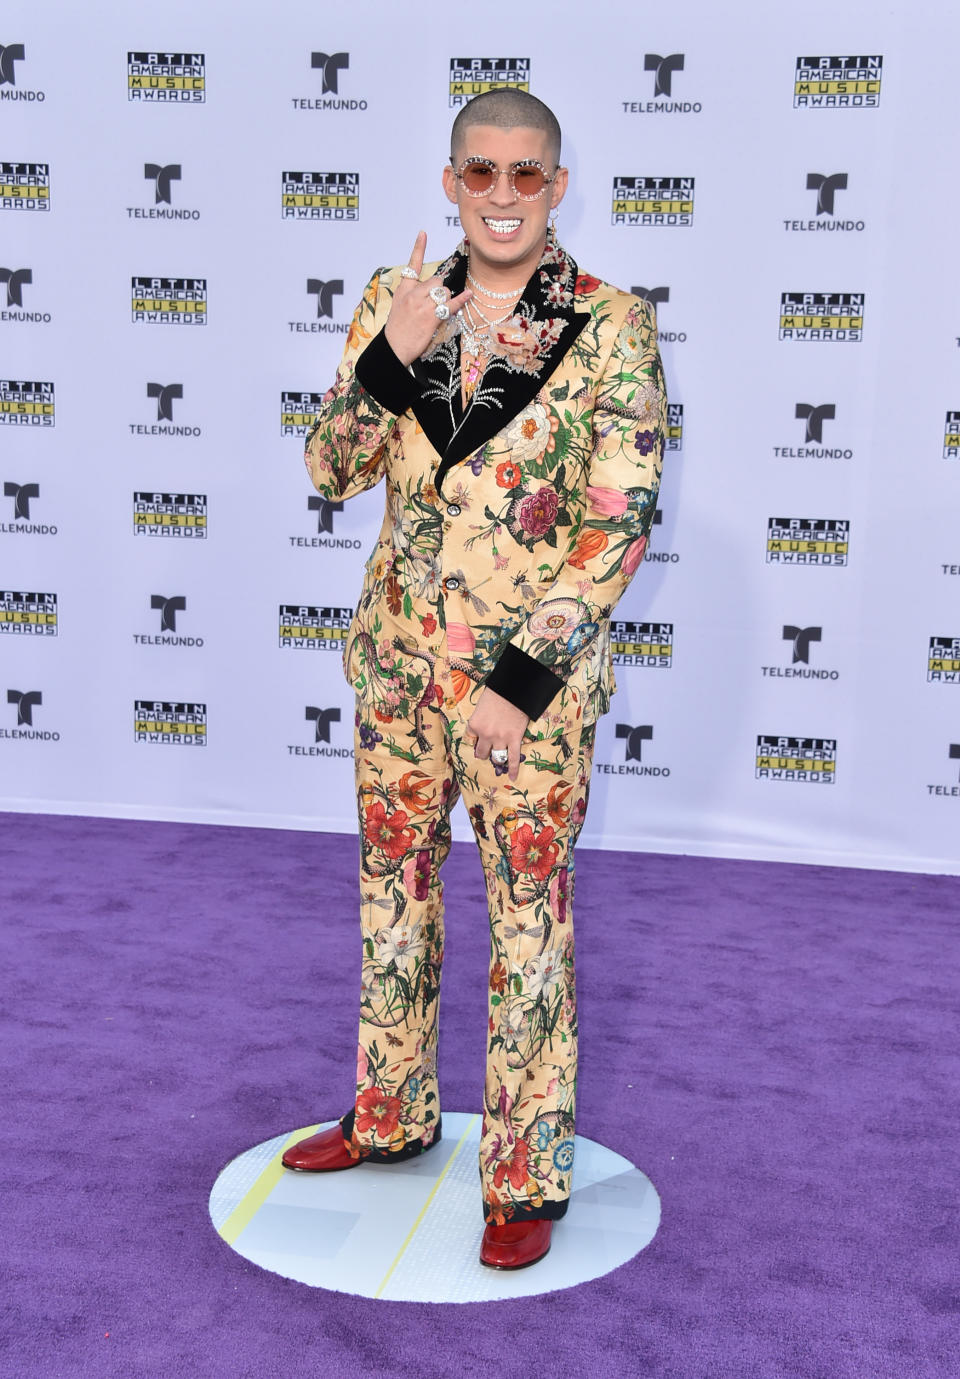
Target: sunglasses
528 179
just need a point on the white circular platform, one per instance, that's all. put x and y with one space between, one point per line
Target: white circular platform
411 1232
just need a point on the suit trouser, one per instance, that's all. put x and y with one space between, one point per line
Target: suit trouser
410 772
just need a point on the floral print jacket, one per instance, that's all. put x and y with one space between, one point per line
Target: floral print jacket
516 523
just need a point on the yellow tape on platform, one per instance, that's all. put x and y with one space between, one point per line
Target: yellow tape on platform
248 1206
423 1210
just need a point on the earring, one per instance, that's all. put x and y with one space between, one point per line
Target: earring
552 229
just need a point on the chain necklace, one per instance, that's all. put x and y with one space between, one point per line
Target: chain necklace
494 296
474 333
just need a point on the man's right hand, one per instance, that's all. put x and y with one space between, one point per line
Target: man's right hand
413 322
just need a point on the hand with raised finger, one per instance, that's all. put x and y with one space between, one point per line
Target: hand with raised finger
418 307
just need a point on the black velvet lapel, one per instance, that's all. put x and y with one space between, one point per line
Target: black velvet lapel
457 437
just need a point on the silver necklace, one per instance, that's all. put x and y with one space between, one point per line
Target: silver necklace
474 334
494 296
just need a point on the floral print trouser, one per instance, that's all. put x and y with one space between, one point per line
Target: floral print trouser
410 771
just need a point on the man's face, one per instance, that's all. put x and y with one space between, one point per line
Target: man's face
505 232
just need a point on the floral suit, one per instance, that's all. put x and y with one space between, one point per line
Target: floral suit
511 529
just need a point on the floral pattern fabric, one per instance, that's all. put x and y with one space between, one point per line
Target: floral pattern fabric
546 522
410 772
511 528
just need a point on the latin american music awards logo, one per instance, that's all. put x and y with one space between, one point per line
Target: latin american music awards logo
821 315
943 661
951 435
170 514
25 403
471 76
642 643
298 412
28 614
837 81
169 301
310 628
673 438
808 540
170 722
811 759
178 78
24 186
652 201
320 196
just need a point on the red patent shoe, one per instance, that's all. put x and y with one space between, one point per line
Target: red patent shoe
515 1245
323 1152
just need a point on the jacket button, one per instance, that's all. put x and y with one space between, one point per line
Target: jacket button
453 510
451 585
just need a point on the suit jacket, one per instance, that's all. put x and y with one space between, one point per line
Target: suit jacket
517 523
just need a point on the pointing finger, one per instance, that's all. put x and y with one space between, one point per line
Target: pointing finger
419 249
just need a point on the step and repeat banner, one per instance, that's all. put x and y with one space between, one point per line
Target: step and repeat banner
190 205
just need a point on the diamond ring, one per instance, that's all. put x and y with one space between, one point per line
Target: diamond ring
441 311
499 755
408 272
437 293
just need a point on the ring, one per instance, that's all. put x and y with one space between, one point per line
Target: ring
441 311
408 272
437 294
499 755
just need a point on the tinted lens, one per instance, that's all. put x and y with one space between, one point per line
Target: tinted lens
478 178
528 181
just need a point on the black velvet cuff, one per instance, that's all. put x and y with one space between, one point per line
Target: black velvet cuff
524 681
384 377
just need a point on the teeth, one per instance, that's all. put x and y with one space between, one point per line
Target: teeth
501 227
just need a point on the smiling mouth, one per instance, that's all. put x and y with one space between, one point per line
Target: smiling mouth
501 226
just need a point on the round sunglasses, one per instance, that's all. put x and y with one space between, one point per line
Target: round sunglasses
528 178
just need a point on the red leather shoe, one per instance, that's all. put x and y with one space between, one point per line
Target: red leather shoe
323 1152
515 1245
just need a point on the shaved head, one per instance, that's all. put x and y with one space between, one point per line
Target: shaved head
505 108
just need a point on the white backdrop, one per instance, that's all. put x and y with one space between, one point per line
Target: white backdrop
790 685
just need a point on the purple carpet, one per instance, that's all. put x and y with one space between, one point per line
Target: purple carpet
774 1046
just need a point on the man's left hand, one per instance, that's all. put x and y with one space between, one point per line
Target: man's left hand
496 723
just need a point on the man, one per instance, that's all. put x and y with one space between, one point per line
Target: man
515 408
